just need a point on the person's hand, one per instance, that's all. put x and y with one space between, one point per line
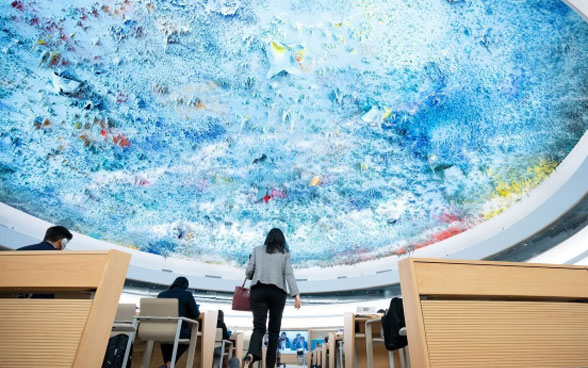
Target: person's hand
297 302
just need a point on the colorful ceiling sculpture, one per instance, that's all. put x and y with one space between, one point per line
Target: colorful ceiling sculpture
362 128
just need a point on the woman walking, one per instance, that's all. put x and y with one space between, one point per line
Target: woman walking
269 269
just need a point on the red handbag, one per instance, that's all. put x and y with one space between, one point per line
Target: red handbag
241 298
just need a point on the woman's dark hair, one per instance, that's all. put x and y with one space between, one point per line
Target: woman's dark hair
180 282
275 241
221 316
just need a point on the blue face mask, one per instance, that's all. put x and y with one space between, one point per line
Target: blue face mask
63 243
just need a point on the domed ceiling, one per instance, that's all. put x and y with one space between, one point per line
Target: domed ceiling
361 128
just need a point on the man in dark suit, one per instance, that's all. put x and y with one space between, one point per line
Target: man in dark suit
56 238
187 307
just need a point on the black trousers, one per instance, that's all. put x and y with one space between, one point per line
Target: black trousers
167 349
266 298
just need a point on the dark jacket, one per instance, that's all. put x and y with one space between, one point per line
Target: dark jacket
392 322
40 246
222 325
187 306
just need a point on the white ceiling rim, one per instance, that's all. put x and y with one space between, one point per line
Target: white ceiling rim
579 6
542 206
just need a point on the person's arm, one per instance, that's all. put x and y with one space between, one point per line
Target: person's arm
250 271
192 307
289 274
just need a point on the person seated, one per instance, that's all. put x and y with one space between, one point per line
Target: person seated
301 344
220 323
56 238
294 345
187 307
284 342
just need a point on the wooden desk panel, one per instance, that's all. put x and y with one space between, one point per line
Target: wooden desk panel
36 269
208 319
289 358
101 274
324 355
34 332
450 277
334 338
472 333
487 314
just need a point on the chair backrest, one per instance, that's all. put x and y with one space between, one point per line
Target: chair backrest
158 330
125 313
219 335
218 338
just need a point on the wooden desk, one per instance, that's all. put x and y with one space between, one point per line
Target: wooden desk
292 358
314 357
204 347
374 341
59 332
334 338
208 320
354 341
494 314
324 355
237 339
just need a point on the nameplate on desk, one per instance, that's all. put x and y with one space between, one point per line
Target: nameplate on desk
366 310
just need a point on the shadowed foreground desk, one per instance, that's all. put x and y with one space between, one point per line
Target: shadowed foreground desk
334 359
495 314
66 331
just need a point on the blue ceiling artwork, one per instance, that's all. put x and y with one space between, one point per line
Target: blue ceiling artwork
362 128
